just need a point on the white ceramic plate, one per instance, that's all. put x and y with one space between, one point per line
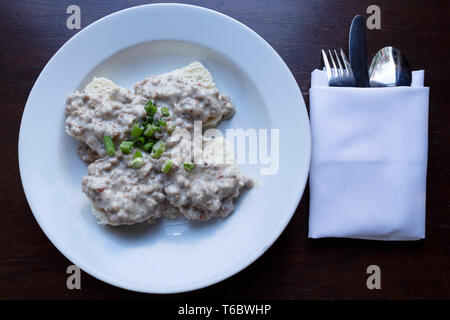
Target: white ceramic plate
127 46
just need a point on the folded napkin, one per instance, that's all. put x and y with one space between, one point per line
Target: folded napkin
369 160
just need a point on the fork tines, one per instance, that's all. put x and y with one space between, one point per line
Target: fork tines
339 75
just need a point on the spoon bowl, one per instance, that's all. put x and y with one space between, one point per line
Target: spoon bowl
389 68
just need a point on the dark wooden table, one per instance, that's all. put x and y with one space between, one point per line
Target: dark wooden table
295 267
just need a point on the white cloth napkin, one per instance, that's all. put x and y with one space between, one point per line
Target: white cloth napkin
369 160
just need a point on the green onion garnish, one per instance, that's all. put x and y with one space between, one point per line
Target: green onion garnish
137 154
157 126
165 111
136 131
162 123
139 142
150 108
158 149
148 146
109 145
149 130
189 166
167 166
171 129
126 146
136 163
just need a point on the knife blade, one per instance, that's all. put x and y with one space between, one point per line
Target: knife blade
357 51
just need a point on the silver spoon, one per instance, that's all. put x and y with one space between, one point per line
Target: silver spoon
389 68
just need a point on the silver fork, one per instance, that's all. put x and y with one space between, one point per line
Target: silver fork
340 75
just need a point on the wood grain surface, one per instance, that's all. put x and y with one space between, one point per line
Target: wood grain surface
295 267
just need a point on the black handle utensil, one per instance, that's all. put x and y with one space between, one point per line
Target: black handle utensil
357 50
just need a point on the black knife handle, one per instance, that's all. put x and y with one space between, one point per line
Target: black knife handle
357 51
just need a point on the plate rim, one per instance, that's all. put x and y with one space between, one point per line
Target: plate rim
237 267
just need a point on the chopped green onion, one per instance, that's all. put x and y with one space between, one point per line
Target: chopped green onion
139 142
167 166
157 126
158 149
136 163
189 166
165 111
150 108
171 129
109 145
148 146
149 130
162 123
136 131
126 146
137 154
